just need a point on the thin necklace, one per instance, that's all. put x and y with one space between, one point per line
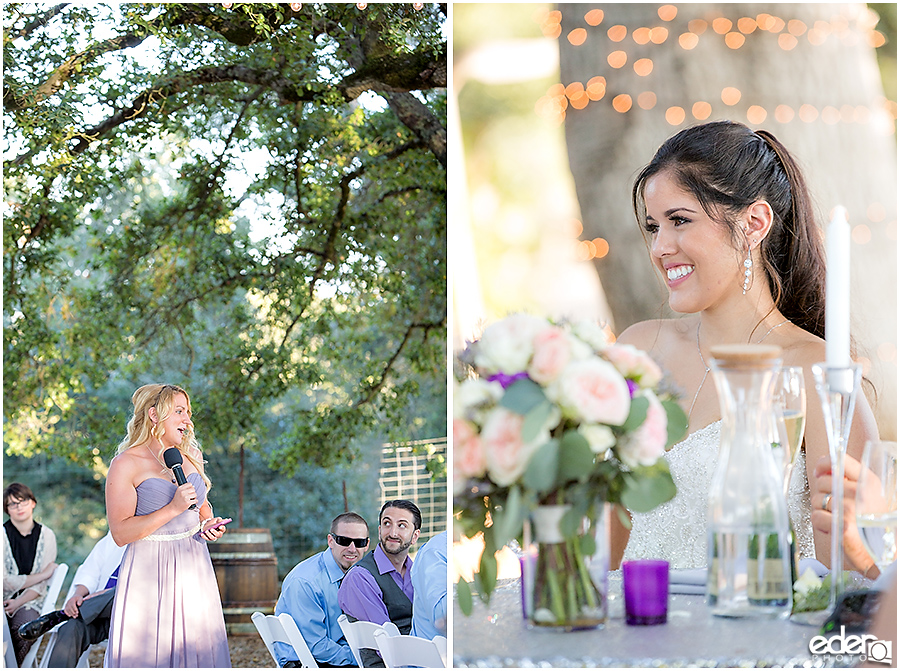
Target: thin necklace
165 468
706 367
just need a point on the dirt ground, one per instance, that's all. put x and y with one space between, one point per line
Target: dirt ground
247 652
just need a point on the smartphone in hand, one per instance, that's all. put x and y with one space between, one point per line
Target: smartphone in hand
220 524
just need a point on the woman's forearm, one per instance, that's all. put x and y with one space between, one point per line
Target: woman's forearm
137 527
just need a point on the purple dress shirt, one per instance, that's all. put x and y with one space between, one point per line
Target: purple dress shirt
360 596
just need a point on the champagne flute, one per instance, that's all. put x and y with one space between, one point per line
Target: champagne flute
876 501
790 409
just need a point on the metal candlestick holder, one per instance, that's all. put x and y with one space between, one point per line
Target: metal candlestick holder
837 387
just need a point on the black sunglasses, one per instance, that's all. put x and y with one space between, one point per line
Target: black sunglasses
344 541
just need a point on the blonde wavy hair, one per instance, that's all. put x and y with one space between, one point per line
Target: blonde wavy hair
142 430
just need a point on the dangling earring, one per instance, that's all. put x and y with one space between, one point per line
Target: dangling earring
748 270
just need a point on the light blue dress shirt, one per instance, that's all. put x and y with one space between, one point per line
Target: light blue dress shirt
429 579
309 594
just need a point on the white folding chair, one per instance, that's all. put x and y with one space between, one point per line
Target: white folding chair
405 651
361 634
9 655
53 588
282 629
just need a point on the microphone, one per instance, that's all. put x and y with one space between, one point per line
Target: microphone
173 460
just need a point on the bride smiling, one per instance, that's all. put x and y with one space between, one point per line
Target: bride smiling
730 227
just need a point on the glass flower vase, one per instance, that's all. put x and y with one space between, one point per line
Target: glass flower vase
565 575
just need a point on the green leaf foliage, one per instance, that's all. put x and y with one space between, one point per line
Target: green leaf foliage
647 487
540 474
677 422
576 460
487 575
249 202
523 396
464 596
637 414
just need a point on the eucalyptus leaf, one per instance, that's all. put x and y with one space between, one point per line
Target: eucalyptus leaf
541 472
624 518
464 596
535 420
645 489
508 522
570 523
637 414
522 396
676 422
487 575
576 460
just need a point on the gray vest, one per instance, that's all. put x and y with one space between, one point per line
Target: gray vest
399 607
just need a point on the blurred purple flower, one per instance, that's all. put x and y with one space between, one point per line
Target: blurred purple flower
505 380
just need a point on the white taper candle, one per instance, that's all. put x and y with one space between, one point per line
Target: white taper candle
837 290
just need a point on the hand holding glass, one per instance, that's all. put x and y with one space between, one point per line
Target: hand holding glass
876 501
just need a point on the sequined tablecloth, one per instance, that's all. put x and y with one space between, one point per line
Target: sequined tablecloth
497 637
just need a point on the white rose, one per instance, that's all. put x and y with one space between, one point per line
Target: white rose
506 346
592 333
807 582
474 395
599 436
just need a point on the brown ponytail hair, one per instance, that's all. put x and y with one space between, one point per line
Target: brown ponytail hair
727 166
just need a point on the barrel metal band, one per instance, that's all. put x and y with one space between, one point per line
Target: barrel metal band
174 537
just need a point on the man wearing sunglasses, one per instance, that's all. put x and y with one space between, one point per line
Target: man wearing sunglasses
379 588
309 594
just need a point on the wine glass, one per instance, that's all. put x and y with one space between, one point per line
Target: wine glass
789 404
876 501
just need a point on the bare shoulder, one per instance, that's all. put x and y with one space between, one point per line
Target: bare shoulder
801 348
658 335
125 466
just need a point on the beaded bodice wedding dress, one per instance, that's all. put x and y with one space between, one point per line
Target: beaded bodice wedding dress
676 530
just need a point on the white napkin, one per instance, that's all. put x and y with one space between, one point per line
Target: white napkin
693 580
818 567
687 581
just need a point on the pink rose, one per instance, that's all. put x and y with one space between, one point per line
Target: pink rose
507 456
648 443
551 354
635 364
592 391
468 454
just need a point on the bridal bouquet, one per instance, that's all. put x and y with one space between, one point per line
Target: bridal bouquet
555 415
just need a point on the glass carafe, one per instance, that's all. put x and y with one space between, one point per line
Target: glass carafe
749 552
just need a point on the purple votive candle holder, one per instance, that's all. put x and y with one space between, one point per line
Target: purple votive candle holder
645 583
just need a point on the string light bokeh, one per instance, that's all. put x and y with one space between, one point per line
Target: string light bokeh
629 60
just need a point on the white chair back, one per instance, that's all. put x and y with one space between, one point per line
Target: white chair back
54 587
361 634
282 629
9 655
406 651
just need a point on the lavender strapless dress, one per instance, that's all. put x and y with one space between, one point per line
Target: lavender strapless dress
167 612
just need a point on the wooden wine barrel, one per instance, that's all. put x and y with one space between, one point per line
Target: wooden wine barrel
247 573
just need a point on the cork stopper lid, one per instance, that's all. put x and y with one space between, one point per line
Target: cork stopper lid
762 356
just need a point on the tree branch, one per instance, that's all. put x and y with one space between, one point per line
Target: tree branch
288 92
41 20
373 390
62 74
419 119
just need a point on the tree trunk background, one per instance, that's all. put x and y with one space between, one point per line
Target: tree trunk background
846 161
